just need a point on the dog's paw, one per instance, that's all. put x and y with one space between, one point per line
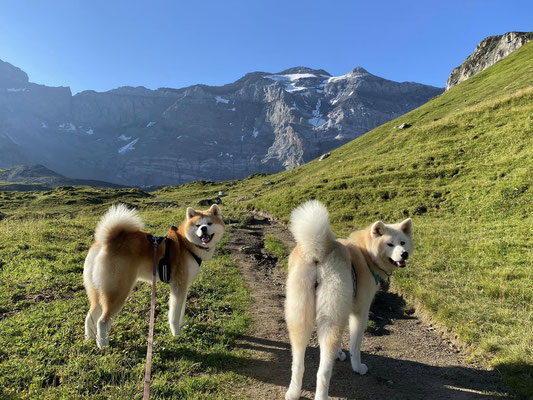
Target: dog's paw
292 394
175 331
341 356
102 343
361 369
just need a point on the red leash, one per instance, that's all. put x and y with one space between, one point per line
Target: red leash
148 371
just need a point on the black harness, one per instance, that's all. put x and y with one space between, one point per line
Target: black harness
164 263
354 276
198 259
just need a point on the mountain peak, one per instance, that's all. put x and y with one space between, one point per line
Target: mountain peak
303 70
11 76
359 71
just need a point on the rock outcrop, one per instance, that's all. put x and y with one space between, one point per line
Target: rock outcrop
489 51
262 123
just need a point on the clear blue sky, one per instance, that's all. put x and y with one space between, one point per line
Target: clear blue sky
101 45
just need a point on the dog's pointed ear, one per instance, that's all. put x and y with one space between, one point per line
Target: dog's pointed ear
215 211
407 226
191 212
377 229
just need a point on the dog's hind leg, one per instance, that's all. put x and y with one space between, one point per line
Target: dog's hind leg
299 334
112 300
329 336
300 317
111 303
94 313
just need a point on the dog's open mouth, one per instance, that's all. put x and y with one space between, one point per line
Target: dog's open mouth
205 238
399 264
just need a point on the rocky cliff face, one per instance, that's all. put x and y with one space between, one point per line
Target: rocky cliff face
489 51
263 122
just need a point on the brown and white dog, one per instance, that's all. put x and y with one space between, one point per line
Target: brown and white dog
320 287
121 255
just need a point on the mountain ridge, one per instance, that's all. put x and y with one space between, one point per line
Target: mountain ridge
261 123
38 177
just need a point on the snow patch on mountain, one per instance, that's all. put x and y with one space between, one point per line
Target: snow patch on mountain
67 126
220 99
317 119
128 147
290 81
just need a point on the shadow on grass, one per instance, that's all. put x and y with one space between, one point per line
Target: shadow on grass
386 308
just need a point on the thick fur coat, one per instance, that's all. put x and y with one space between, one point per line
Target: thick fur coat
121 255
320 287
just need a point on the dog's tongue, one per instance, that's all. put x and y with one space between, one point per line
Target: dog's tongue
400 264
205 238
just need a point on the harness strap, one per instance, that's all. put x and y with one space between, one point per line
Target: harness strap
376 276
354 276
164 263
198 259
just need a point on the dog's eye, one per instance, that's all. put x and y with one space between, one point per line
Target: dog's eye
197 226
209 223
390 244
402 243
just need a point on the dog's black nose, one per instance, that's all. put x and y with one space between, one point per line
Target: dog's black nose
405 255
204 228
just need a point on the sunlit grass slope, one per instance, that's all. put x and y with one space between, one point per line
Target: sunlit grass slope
464 172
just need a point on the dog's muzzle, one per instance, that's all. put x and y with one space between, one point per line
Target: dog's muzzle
206 238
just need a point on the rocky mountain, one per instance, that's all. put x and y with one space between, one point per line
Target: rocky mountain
264 122
489 51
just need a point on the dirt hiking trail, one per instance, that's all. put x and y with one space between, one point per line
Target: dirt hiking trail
407 359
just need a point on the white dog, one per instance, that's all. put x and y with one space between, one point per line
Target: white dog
330 282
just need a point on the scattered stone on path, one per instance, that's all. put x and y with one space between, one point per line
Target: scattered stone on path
405 125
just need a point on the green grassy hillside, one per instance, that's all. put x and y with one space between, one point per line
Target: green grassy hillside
463 172
44 238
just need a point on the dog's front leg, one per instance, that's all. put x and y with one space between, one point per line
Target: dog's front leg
176 309
357 329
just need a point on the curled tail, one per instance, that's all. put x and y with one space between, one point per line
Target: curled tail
310 227
116 220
